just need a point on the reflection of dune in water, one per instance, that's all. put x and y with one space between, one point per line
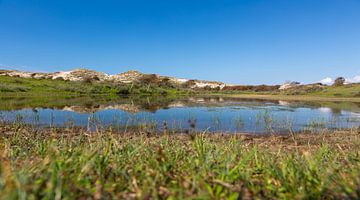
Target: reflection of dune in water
236 104
284 103
325 110
149 106
124 107
153 104
145 107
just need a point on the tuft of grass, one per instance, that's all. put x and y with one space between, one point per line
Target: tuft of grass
69 163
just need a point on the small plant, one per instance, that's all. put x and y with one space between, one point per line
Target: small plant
239 123
192 124
165 127
268 121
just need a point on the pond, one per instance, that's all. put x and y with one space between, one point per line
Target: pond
215 114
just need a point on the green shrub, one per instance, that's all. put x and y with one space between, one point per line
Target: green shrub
339 81
59 79
123 90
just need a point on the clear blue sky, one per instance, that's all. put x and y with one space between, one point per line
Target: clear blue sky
242 41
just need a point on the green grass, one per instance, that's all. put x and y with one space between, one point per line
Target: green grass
352 90
345 91
13 86
73 164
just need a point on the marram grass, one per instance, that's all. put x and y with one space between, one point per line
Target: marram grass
73 164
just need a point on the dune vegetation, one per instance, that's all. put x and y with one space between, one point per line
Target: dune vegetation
311 91
15 86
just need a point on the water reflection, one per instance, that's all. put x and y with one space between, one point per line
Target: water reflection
210 113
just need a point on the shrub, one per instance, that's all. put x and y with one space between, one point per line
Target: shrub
18 81
149 79
163 92
189 84
255 88
165 82
339 81
95 78
68 88
123 90
87 80
59 79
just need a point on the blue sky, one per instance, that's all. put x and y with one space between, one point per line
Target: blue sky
243 41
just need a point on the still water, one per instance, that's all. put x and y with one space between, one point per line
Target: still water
211 114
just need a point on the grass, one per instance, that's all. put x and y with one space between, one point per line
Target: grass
351 90
14 86
304 98
70 163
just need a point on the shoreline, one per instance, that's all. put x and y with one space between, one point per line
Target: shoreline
289 97
9 128
239 96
